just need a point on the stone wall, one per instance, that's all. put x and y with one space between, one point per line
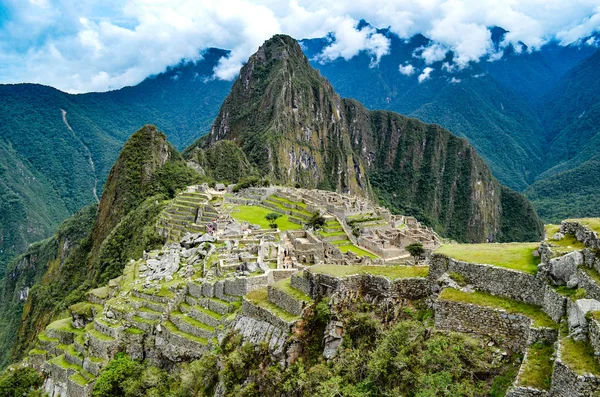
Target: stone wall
592 290
581 233
567 383
594 336
509 330
318 284
520 391
495 280
249 309
285 301
554 305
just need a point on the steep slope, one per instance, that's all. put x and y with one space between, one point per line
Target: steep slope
571 114
148 171
497 122
568 194
295 129
42 186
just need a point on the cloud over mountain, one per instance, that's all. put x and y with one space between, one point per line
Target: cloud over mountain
101 45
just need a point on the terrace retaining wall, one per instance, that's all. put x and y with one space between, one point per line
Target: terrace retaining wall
495 280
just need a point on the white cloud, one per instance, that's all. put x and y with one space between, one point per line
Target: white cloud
432 53
407 70
349 41
454 80
425 75
106 44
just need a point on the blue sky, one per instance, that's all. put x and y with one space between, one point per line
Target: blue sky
80 46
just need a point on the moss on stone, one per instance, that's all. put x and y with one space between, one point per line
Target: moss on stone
260 297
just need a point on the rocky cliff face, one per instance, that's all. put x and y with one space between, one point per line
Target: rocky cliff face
295 128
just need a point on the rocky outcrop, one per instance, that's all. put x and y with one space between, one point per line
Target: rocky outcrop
295 129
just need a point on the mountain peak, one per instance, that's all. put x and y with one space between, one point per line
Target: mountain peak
277 48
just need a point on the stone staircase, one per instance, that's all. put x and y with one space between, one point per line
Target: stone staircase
189 212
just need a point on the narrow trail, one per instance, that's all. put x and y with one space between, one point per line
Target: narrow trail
88 153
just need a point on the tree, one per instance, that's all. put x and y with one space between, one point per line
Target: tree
272 217
415 250
317 221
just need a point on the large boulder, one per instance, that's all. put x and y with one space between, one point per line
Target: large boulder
563 270
578 324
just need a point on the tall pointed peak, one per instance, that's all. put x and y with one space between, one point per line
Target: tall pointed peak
278 47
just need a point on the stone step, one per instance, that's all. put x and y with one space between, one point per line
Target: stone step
191 325
153 298
63 330
94 365
73 356
182 339
149 314
205 316
216 305
256 305
144 324
101 345
46 342
112 330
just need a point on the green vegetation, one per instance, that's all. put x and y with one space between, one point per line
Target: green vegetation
593 273
271 217
317 221
392 272
516 256
538 367
415 250
579 356
260 298
224 161
285 286
591 223
23 381
540 319
255 215
357 250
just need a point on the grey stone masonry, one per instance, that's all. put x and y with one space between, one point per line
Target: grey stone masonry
594 336
592 289
495 280
567 383
318 284
581 233
555 305
249 309
286 301
510 330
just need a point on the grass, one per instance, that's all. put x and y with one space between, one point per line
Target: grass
392 272
285 286
65 325
515 256
277 203
579 356
210 313
173 329
134 331
551 230
567 244
284 200
139 319
100 335
537 369
101 292
260 297
33 352
80 380
192 321
358 251
540 319
565 291
594 275
590 223
255 215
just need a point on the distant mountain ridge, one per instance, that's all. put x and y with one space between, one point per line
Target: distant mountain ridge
295 129
495 105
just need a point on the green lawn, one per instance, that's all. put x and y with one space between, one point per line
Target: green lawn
540 319
590 223
516 256
358 251
284 200
256 215
592 273
285 286
392 272
538 367
579 356
260 297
